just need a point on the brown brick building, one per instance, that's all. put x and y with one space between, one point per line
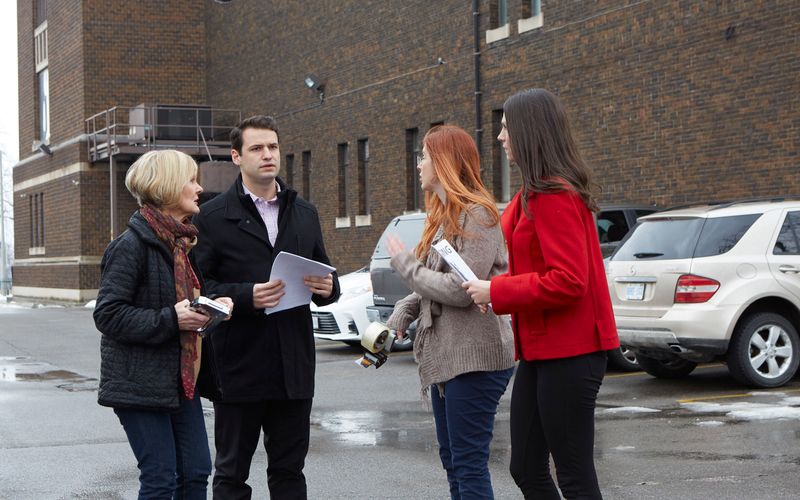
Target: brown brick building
673 102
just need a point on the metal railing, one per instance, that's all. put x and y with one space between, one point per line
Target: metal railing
140 128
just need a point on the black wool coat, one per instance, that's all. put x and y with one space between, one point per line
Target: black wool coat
258 357
135 312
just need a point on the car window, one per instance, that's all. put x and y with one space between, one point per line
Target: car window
611 226
409 231
720 234
788 242
663 239
660 239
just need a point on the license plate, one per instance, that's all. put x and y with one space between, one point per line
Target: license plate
315 321
634 291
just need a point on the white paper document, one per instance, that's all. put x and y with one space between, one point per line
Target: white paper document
290 269
454 260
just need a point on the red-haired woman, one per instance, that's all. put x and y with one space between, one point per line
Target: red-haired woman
557 294
465 357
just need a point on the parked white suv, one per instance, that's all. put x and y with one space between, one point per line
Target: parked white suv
722 281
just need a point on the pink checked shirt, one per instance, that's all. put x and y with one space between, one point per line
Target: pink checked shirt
268 209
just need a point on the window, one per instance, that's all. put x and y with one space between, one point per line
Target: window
42 76
363 176
40 11
531 8
290 170
720 234
36 214
531 16
499 13
498 21
414 198
43 90
611 226
307 175
342 177
666 238
501 171
788 242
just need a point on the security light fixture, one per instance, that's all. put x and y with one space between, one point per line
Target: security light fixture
315 83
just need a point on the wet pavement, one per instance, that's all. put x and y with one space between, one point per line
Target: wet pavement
372 437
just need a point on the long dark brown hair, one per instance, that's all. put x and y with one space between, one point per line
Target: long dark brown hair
543 147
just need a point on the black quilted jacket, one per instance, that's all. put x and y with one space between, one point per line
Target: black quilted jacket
139 348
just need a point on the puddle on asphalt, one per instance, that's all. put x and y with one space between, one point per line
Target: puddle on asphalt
20 369
407 430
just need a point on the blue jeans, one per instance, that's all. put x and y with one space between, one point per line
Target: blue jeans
172 450
464 417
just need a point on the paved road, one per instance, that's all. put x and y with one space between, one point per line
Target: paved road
373 438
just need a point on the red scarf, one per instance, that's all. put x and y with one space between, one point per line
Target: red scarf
180 238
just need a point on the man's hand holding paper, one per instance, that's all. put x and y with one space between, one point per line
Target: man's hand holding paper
293 280
319 285
267 294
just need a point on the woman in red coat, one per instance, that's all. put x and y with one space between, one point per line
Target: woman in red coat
556 293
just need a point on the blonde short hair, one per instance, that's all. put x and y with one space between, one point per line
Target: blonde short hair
157 177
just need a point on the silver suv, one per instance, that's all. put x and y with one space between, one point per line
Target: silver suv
717 281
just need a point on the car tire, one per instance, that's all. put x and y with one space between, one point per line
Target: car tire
673 367
764 350
623 359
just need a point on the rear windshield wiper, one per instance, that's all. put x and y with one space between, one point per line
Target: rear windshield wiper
644 255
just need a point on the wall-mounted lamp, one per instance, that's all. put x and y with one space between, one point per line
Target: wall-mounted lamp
44 148
315 83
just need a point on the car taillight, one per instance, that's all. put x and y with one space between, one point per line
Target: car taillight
693 289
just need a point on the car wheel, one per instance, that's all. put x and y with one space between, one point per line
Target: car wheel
674 367
764 350
623 359
406 344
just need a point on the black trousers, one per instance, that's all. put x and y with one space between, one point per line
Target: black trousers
237 427
552 413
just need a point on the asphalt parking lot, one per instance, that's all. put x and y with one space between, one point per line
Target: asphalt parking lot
372 437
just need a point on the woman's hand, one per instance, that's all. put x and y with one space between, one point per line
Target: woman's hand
188 318
228 303
394 245
400 334
479 291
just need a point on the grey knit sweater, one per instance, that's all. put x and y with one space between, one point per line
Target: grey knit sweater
453 336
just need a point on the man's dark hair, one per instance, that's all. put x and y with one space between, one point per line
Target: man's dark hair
257 121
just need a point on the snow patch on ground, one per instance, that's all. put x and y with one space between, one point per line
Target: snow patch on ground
630 409
709 423
750 411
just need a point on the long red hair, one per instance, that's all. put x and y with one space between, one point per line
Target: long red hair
457 166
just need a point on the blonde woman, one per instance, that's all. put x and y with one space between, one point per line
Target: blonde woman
150 350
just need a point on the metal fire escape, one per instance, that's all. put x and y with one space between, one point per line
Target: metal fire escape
126 132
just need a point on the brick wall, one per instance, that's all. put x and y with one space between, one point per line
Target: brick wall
102 53
666 108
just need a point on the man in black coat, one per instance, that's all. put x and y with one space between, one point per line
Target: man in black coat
264 363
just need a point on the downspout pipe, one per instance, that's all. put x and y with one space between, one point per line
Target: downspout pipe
476 58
